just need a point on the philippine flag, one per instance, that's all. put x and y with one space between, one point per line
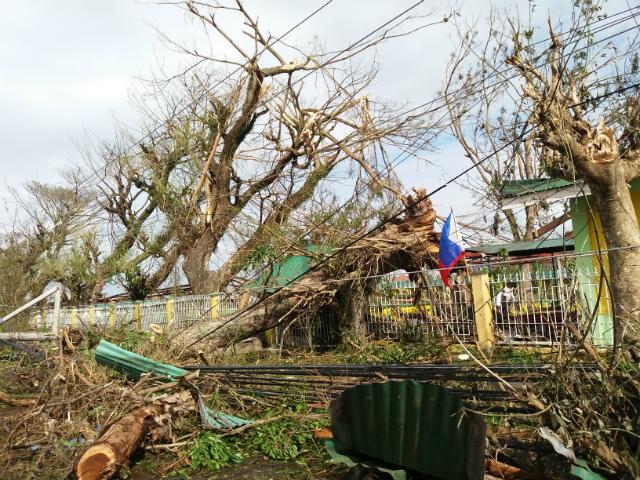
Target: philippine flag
450 247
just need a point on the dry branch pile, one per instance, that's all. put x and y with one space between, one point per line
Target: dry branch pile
72 402
598 414
82 417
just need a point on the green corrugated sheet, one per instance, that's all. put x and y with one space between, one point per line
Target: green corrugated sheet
417 426
553 244
134 365
581 470
515 188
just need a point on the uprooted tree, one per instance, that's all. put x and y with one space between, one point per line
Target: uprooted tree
408 242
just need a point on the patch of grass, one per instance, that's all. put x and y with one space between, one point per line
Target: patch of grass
519 355
149 465
134 339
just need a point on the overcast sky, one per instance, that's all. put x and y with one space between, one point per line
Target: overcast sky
68 67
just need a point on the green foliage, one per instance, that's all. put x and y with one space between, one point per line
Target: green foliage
136 283
212 452
74 267
286 438
259 256
520 356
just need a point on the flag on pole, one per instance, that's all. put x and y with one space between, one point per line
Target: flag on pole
451 250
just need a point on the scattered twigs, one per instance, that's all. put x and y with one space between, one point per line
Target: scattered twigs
167 386
584 343
90 393
181 461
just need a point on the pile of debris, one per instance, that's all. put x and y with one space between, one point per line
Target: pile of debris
89 415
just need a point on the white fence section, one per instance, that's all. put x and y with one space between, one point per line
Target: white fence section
531 302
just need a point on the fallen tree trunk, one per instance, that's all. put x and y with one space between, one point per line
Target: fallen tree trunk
112 451
408 243
278 308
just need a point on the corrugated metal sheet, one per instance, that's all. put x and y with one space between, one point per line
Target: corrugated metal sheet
292 267
535 246
133 365
418 426
354 460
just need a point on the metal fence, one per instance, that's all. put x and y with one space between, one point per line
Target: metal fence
401 307
531 302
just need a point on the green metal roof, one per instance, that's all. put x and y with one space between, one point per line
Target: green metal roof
535 246
515 188
291 267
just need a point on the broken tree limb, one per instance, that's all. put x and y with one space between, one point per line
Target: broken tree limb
113 449
28 336
15 401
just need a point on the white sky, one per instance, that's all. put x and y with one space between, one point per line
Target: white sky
67 68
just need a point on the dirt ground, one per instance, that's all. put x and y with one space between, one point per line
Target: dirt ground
255 467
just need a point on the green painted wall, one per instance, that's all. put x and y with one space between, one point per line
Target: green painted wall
587 237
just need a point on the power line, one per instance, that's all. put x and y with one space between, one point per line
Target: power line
355 44
298 80
352 46
235 71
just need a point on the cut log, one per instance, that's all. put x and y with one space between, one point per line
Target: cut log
112 451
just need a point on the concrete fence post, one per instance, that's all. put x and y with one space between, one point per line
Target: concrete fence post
483 311
138 315
56 310
112 315
170 312
215 306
